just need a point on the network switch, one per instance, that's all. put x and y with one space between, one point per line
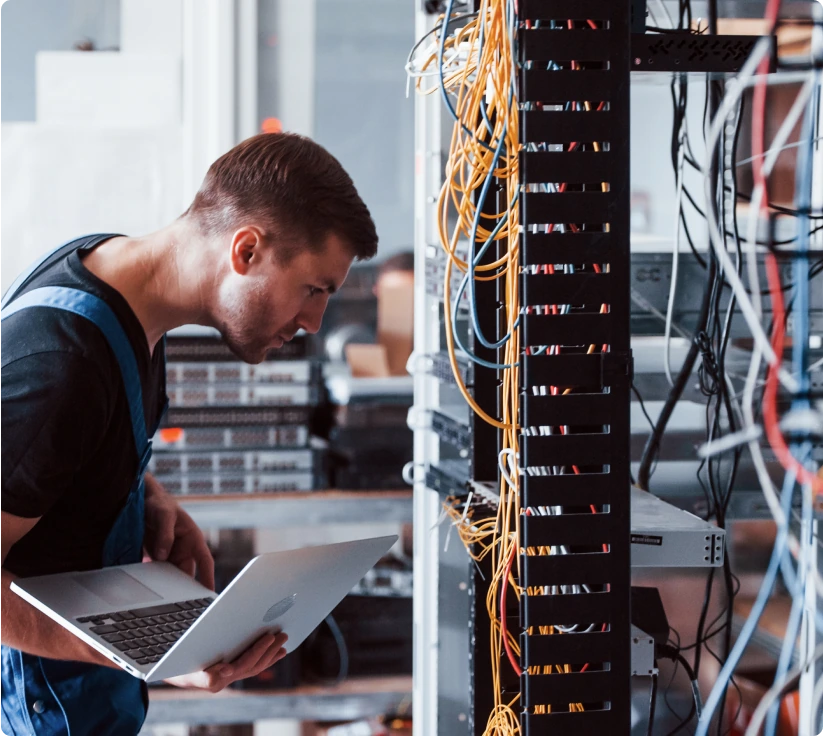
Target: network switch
439 366
181 416
205 372
230 461
241 394
219 438
448 477
179 348
207 483
452 431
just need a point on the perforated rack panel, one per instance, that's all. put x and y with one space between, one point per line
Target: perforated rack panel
585 431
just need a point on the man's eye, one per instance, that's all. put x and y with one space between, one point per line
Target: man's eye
314 290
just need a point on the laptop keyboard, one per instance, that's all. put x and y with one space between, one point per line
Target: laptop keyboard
144 635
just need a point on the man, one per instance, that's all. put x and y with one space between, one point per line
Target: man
270 235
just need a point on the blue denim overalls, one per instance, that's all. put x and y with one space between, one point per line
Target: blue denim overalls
46 696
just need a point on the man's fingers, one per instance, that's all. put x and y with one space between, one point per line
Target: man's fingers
275 653
261 655
186 565
265 660
205 564
162 525
253 654
273 657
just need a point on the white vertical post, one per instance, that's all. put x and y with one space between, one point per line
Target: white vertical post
151 27
296 34
221 131
247 122
426 395
209 93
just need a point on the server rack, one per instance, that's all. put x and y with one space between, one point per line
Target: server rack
449 697
600 381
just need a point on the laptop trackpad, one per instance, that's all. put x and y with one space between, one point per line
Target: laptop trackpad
117 588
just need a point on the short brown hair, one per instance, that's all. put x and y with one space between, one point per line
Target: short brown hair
293 185
403 261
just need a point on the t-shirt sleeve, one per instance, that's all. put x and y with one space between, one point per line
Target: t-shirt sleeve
54 416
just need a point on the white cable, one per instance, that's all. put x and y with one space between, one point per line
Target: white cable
759 715
729 442
752 271
735 91
779 149
501 464
747 408
771 157
747 402
681 158
814 366
733 94
653 16
666 13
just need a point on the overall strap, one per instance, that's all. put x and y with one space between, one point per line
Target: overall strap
42 261
97 311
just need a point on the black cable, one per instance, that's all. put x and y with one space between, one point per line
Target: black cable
652 705
714 349
781 208
679 31
668 652
652 446
653 443
712 11
343 671
701 622
643 407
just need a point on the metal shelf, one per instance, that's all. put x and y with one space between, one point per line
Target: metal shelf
665 536
353 699
272 510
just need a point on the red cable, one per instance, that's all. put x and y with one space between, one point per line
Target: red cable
771 420
503 627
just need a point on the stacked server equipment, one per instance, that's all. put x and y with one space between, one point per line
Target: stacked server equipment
238 428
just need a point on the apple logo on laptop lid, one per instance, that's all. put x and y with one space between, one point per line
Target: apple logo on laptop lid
279 608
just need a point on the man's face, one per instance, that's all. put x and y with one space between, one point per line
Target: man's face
263 302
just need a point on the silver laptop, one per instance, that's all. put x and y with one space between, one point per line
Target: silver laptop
155 621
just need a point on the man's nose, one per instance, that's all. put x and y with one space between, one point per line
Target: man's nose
311 319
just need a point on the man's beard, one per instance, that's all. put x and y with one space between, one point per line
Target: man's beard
248 350
240 336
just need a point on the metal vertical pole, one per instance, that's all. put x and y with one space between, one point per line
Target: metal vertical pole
426 340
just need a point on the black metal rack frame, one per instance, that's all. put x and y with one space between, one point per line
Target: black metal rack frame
595 413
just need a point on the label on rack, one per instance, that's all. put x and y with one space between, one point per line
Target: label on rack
647 539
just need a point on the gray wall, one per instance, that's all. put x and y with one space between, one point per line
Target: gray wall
361 114
29 26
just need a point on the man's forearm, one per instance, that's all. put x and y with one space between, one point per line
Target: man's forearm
31 631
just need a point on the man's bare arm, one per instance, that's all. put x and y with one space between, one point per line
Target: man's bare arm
26 628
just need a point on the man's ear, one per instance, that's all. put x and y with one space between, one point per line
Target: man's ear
246 249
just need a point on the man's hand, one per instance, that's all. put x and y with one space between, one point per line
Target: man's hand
261 655
172 535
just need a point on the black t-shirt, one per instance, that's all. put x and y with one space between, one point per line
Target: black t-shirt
68 452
